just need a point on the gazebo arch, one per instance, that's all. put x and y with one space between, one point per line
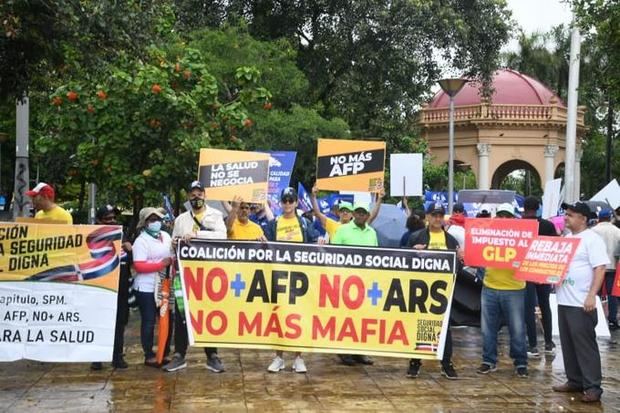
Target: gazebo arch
524 120
508 167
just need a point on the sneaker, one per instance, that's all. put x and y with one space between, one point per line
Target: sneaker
299 366
521 372
362 359
550 348
486 368
592 395
613 326
533 352
96 366
449 372
177 363
276 365
215 364
347 359
120 364
414 369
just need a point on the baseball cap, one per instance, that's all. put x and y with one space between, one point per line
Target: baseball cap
361 205
578 207
288 193
436 209
345 205
42 189
459 208
605 213
196 185
505 208
104 210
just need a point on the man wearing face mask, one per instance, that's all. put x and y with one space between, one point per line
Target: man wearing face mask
204 222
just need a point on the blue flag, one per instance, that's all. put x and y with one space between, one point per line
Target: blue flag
281 165
304 198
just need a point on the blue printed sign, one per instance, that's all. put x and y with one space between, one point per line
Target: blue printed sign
281 165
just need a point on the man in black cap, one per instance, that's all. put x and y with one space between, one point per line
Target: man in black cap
534 291
201 221
577 316
435 238
106 215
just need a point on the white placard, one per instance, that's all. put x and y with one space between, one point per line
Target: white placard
609 194
406 174
551 198
602 328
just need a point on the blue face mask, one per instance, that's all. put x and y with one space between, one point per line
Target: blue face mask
153 228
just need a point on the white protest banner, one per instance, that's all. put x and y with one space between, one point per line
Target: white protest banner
406 174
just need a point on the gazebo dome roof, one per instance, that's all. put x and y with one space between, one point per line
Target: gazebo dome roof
511 88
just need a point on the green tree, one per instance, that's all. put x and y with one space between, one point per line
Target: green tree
138 132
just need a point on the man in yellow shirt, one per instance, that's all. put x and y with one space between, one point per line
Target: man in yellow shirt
502 295
238 223
43 196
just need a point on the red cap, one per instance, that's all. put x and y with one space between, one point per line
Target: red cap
41 189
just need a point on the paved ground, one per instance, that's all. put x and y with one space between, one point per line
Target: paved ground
329 386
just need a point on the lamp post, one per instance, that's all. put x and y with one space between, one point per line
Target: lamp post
451 87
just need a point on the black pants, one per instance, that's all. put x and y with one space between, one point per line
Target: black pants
447 351
612 302
582 361
537 292
122 314
181 340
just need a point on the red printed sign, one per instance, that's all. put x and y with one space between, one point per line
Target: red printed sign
498 242
547 260
615 291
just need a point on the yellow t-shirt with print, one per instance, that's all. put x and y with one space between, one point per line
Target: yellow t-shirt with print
437 241
502 279
248 231
56 214
288 229
331 227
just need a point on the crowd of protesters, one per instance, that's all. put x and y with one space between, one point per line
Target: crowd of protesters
504 300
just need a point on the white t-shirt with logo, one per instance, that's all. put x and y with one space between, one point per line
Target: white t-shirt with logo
591 253
149 249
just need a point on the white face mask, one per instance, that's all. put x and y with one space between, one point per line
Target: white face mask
154 226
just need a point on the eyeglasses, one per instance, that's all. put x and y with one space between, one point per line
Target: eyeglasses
345 211
288 201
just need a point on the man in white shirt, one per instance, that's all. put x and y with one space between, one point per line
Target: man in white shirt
201 221
577 316
611 235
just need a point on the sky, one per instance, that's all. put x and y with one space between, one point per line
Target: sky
538 15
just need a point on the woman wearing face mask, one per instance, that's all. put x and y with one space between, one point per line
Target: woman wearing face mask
151 254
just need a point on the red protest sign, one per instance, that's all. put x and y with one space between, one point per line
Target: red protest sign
498 242
547 260
615 291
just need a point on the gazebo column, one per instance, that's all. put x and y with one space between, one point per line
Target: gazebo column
484 149
550 152
577 184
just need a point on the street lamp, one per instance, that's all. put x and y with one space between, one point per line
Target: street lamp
451 87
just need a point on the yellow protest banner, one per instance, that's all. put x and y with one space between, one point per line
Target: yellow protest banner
226 174
58 291
304 297
350 165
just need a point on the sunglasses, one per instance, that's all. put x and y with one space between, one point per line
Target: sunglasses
244 207
288 201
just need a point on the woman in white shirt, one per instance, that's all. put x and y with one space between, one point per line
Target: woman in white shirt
152 254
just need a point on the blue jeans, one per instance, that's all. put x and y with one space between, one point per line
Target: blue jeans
507 305
148 316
